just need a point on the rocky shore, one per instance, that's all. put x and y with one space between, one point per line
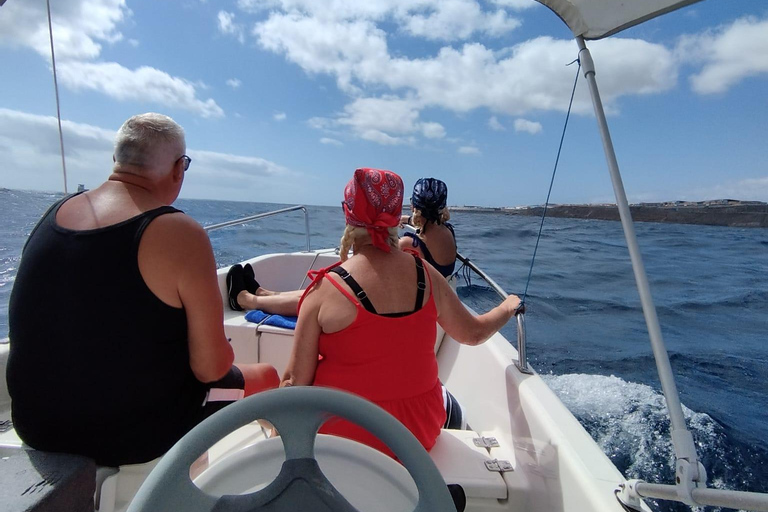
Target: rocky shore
713 213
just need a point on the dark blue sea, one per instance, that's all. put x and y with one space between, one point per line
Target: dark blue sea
586 332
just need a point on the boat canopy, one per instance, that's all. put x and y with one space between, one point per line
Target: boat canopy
595 19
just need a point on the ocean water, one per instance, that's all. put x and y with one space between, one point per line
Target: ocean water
586 332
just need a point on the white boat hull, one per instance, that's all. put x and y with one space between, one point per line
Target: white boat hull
553 463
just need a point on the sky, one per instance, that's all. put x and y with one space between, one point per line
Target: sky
282 99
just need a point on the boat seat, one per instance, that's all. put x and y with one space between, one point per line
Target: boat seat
120 485
114 487
33 479
258 343
254 343
461 462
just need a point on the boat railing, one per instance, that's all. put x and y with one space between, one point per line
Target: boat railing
251 218
522 358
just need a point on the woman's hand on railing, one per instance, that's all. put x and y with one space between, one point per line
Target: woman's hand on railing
513 305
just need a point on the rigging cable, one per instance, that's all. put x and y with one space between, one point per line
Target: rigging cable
552 181
56 87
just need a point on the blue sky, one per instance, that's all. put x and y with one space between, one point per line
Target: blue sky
282 99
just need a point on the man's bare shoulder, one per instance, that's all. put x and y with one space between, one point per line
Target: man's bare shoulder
178 221
177 232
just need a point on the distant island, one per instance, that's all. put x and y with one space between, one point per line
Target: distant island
719 212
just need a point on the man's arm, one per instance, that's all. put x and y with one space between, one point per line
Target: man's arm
177 262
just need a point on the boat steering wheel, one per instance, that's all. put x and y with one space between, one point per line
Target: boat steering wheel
297 413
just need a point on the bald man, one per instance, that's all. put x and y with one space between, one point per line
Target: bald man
115 317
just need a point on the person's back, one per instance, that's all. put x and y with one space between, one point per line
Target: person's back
373 324
115 316
382 347
81 357
434 240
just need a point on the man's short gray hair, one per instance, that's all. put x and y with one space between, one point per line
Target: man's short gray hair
139 137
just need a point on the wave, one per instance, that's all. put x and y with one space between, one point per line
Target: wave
629 421
745 298
505 233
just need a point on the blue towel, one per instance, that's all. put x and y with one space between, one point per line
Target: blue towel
257 316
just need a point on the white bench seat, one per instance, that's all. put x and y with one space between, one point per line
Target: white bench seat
461 462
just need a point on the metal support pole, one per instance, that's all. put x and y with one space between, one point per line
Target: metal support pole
688 469
56 88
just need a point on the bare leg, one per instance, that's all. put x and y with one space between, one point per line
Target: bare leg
259 377
279 303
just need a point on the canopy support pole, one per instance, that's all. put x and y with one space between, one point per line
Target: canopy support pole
689 471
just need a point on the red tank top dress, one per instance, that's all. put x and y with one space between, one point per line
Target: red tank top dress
389 361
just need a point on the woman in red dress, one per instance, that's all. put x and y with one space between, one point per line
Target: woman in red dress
367 324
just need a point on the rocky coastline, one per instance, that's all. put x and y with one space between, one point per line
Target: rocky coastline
725 212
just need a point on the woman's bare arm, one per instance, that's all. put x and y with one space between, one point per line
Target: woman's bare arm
303 362
456 319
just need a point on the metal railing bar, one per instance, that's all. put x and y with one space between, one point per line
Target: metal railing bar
485 277
250 218
522 357
706 496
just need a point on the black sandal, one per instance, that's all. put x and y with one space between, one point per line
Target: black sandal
249 279
235 284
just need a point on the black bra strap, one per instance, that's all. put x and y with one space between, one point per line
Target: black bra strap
421 286
420 283
359 292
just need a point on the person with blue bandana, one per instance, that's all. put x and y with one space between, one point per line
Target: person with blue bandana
434 238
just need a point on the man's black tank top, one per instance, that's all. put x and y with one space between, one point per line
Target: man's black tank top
98 365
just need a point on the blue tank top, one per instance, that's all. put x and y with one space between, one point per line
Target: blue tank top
98 365
445 270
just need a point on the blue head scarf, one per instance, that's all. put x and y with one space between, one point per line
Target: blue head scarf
430 196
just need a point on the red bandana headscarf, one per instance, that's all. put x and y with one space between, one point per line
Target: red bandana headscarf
373 199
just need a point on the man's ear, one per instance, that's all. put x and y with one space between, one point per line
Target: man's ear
178 171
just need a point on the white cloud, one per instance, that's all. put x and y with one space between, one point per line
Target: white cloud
469 150
343 49
752 189
529 76
524 125
234 83
80 28
29 150
517 5
224 166
387 120
344 39
242 178
279 116
495 125
449 20
227 25
144 84
433 130
257 5
333 142
319 123
729 54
